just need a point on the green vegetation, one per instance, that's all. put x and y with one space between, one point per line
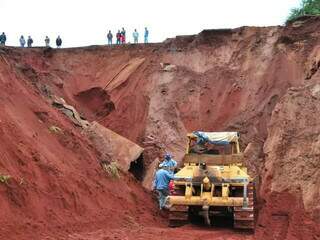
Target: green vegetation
4 178
307 7
111 169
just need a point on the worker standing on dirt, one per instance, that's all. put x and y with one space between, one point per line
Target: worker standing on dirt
169 163
109 36
135 36
47 41
118 36
30 41
59 42
3 39
146 35
123 36
161 185
22 41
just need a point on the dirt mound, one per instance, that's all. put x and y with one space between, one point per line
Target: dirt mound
52 183
291 177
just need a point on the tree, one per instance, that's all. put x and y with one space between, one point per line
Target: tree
307 7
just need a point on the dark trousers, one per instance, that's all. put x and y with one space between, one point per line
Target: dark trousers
162 196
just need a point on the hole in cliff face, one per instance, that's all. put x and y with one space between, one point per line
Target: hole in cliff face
96 102
137 168
286 40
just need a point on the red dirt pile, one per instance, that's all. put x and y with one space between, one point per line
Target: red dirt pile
290 187
258 81
56 185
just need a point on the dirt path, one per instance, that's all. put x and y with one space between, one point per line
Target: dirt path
189 232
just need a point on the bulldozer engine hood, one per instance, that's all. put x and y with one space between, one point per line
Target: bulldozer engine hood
197 181
216 174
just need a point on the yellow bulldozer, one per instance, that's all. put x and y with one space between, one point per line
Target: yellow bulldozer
213 182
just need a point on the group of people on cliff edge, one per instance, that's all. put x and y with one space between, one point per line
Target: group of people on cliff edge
58 41
120 39
29 41
121 36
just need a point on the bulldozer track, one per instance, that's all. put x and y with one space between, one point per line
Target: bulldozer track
178 216
243 218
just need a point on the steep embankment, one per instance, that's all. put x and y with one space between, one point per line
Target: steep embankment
217 80
290 186
56 184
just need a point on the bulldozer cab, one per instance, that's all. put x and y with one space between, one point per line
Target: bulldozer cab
213 148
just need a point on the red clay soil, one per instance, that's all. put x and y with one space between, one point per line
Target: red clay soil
56 184
95 102
290 186
133 232
222 80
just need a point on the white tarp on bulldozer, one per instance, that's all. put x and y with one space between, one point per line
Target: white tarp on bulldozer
216 137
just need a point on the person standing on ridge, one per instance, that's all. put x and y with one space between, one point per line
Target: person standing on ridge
118 36
109 36
47 41
146 35
22 41
168 163
123 36
161 185
30 41
3 39
59 41
135 36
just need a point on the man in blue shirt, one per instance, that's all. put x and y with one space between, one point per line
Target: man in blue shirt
146 35
169 163
161 184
